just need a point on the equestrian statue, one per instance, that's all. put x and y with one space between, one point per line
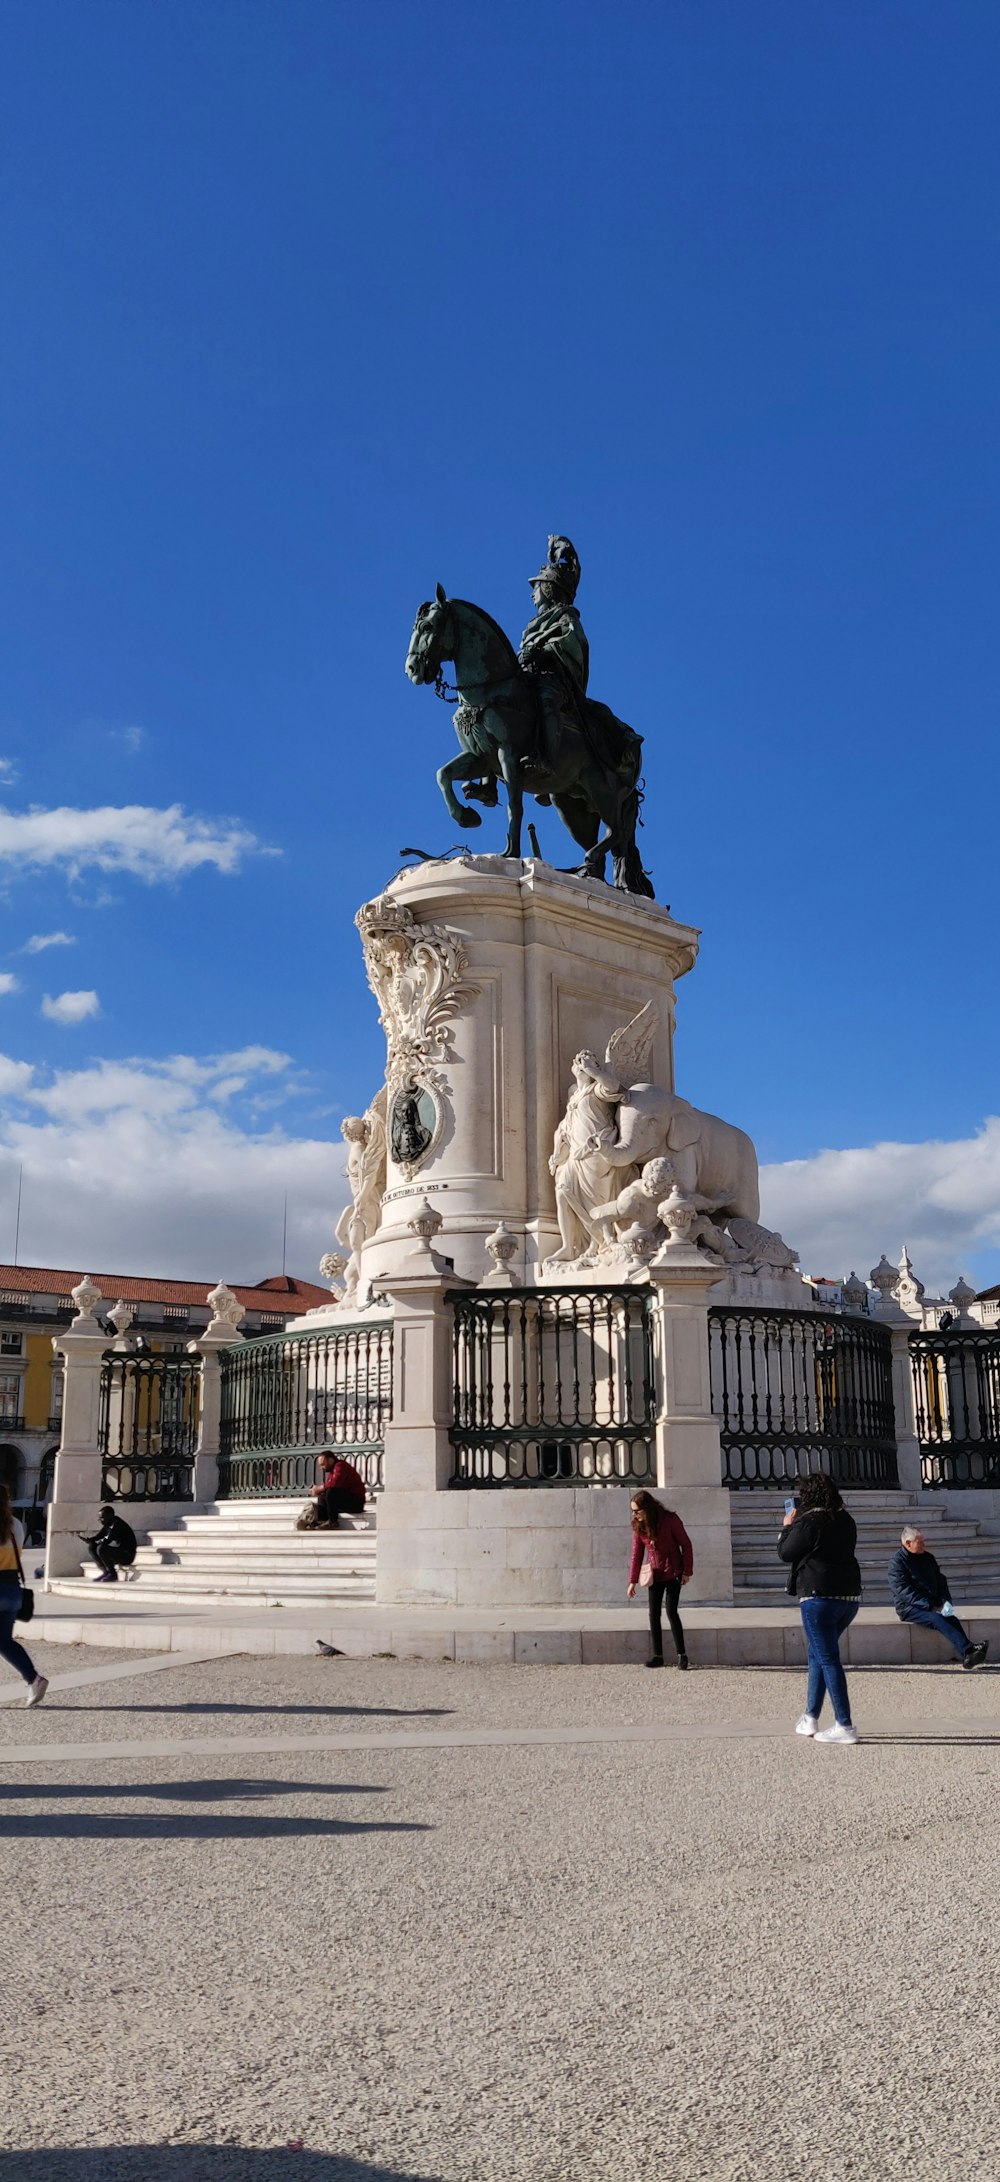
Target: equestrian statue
524 718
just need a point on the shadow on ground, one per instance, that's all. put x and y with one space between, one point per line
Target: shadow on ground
61 1823
196 2163
309 1712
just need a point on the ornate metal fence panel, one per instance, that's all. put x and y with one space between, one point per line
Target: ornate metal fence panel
797 1392
553 1386
288 1396
148 1426
956 1400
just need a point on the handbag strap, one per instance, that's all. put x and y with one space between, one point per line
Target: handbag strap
17 1556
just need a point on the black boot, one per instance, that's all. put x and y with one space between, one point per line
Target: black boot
655 1659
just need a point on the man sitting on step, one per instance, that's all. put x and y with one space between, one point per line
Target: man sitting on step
113 1546
920 1593
340 1491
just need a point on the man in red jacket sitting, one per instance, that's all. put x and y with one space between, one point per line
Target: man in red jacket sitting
339 1491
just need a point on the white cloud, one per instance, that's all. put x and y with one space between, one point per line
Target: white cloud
131 1164
8 982
70 1007
841 1209
39 941
151 844
8 769
15 1076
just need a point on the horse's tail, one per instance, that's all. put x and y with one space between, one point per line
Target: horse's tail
613 742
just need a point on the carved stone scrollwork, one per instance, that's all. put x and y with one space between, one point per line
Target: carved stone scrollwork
417 974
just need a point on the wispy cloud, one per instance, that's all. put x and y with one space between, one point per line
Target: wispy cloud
151 844
39 941
70 1007
8 982
8 769
841 1209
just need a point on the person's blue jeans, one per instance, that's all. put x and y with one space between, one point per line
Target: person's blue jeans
947 1625
824 1622
10 1649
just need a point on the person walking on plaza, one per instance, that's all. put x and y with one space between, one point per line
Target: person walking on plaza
340 1491
113 1546
661 1551
819 1543
11 1599
920 1593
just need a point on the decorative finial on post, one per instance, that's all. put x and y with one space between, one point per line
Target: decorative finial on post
501 1247
121 1319
961 1296
227 1310
854 1293
885 1278
425 1222
86 1296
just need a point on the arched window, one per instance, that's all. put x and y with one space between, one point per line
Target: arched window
46 1474
10 1466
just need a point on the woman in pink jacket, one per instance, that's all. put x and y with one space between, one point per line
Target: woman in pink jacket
660 1536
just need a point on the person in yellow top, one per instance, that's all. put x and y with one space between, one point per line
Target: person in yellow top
11 1589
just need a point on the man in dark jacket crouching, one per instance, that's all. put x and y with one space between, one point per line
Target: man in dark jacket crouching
920 1593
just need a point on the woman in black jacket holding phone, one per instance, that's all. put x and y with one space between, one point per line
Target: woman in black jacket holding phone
819 1542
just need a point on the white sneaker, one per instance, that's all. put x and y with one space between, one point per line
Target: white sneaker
37 1691
837 1734
807 1725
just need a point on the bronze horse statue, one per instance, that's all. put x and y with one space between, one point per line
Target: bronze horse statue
594 779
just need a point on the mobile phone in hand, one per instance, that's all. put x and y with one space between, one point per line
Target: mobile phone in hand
791 1505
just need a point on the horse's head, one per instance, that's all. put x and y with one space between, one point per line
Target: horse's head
432 639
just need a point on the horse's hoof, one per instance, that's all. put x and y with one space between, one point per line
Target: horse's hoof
467 818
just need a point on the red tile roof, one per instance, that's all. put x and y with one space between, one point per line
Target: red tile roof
280 1294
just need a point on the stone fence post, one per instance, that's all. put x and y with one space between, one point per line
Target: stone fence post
220 1333
415 1504
77 1491
688 1451
908 1457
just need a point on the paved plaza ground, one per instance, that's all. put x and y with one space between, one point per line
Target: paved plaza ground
496 1924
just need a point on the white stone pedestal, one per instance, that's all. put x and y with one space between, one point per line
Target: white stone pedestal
491 975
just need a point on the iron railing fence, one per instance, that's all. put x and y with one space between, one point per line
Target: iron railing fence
148 1426
797 1392
285 1397
956 1400
553 1386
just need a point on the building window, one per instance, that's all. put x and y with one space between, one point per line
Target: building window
10 1396
10 1344
57 1396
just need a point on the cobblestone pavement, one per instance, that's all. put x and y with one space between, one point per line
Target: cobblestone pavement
715 1954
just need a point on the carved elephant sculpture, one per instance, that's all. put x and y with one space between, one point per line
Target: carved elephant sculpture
712 1160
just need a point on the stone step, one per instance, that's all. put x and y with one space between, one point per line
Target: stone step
262 1565
288 1591
333 1544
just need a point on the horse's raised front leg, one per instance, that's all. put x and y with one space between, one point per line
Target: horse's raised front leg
466 767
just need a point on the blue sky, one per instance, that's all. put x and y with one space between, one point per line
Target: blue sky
310 306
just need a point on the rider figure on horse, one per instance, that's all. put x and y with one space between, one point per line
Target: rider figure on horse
555 652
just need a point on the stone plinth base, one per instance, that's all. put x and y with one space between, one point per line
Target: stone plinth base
531 966
510 1547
